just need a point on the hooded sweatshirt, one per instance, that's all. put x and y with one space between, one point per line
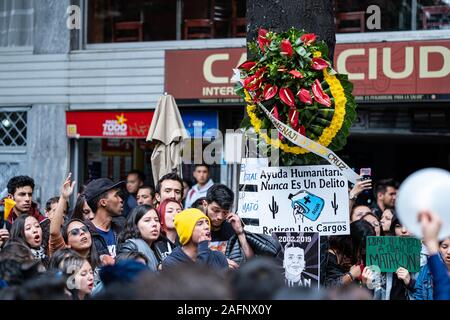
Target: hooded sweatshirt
214 259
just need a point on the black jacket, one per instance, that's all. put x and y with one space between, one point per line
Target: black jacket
117 225
163 247
260 243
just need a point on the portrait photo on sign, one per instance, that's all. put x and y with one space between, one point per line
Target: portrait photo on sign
299 258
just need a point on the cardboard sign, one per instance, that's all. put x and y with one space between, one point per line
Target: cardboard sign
300 258
391 253
303 199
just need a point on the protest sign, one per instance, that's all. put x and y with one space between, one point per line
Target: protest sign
300 257
248 204
391 253
303 199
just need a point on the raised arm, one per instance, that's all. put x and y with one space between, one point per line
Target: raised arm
58 217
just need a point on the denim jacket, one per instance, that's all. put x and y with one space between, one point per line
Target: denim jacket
424 285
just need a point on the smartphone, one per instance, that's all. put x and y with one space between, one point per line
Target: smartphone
365 173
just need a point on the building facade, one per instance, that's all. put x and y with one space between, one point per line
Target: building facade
66 94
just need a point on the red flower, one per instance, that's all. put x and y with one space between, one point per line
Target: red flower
262 39
296 74
275 112
287 97
270 91
247 65
302 130
260 72
319 64
257 96
286 48
252 83
320 96
304 96
293 118
308 38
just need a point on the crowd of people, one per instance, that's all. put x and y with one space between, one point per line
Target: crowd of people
129 240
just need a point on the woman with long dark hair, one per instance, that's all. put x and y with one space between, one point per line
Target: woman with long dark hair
141 230
339 270
26 229
82 211
74 234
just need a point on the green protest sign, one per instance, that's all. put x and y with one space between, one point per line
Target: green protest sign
391 253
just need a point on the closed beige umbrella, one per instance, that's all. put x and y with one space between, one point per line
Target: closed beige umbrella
168 130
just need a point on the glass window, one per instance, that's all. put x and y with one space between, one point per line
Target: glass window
131 20
16 23
352 16
154 20
13 129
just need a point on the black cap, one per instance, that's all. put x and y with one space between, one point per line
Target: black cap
98 186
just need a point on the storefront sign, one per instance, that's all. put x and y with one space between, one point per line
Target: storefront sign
98 124
376 69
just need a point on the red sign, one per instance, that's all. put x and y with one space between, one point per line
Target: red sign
99 124
389 68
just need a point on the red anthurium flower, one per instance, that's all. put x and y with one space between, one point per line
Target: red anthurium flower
302 130
260 72
286 48
320 96
257 96
287 97
270 91
252 83
296 74
308 38
304 96
275 112
262 39
247 65
319 64
293 118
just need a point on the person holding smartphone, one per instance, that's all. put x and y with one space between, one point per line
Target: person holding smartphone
362 185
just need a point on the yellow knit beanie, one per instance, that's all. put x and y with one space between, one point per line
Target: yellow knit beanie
185 222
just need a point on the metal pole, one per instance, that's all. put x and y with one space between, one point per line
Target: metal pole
75 170
179 12
414 15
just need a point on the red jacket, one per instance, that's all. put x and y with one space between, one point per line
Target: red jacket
34 211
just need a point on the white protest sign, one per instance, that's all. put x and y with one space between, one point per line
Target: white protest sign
250 170
303 199
248 204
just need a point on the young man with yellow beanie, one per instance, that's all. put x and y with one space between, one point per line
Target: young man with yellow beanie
194 233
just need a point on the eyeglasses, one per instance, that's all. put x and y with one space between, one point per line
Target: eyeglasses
77 231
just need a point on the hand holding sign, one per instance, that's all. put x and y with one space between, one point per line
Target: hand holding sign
404 275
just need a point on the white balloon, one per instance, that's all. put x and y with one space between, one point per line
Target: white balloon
425 189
